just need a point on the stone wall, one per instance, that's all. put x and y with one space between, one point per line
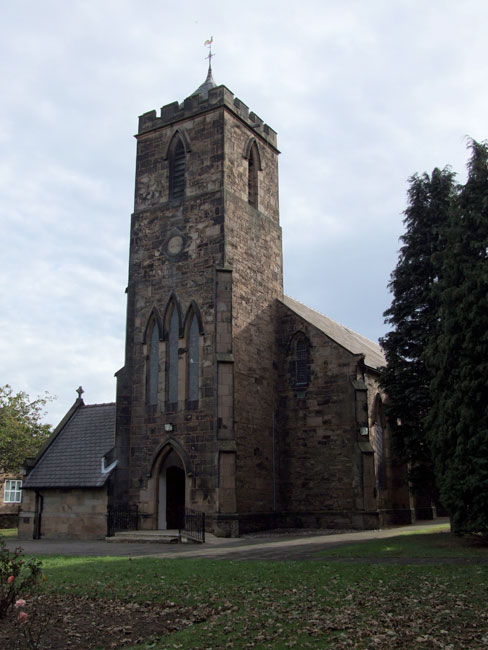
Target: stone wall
395 502
327 448
66 514
176 247
318 430
254 252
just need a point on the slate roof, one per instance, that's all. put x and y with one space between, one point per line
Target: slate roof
73 456
207 85
351 341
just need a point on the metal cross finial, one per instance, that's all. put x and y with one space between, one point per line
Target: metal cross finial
208 44
80 392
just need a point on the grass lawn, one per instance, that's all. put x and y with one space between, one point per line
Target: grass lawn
8 532
435 542
210 604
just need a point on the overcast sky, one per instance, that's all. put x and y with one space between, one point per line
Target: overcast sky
362 93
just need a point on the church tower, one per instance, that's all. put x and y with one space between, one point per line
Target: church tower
196 397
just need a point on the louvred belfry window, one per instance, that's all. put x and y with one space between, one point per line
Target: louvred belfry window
177 180
252 179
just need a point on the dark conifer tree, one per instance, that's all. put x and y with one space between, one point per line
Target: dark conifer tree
412 316
457 357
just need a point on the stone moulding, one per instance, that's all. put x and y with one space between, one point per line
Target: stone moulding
168 445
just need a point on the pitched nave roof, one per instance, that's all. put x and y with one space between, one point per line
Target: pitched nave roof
348 339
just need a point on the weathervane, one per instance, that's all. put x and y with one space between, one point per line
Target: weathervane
208 44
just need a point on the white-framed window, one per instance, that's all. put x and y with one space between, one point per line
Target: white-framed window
13 491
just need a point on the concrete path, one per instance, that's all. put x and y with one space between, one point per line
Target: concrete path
283 547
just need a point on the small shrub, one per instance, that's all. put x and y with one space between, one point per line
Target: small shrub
17 577
33 618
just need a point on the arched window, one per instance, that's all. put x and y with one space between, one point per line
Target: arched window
153 366
379 444
177 169
301 349
299 361
193 359
172 356
252 176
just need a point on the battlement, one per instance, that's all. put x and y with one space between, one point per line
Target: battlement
195 104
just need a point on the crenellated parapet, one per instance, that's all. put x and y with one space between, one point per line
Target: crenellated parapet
196 104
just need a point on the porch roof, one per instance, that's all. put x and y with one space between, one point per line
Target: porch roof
73 456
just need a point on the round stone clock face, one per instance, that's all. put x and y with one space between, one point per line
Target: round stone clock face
175 244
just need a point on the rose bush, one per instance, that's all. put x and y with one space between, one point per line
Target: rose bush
17 577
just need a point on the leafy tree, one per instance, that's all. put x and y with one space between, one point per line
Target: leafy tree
21 430
457 357
412 316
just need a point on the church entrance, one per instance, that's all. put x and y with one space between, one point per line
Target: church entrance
175 497
171 493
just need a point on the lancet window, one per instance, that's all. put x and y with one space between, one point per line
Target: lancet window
379 444
252 177
301 361
172 356
193 359
177 169
299 367
153 365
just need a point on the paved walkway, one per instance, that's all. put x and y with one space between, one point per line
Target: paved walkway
283 547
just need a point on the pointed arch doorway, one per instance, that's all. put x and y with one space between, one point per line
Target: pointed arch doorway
171 492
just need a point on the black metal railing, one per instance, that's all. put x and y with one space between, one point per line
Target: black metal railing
123 518
193 526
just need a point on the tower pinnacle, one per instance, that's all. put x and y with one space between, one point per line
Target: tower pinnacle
209 83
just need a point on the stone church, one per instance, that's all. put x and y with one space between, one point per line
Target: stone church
235 400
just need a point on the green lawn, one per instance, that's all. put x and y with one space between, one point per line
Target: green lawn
428 544
315 604
8 532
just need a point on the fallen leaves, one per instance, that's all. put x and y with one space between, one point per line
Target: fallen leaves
214 605
81 623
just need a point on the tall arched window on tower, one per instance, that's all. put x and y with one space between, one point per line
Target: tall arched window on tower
177 169
153 365
193 360
172 357
252 176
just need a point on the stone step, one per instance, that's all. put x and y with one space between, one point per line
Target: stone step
147 536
